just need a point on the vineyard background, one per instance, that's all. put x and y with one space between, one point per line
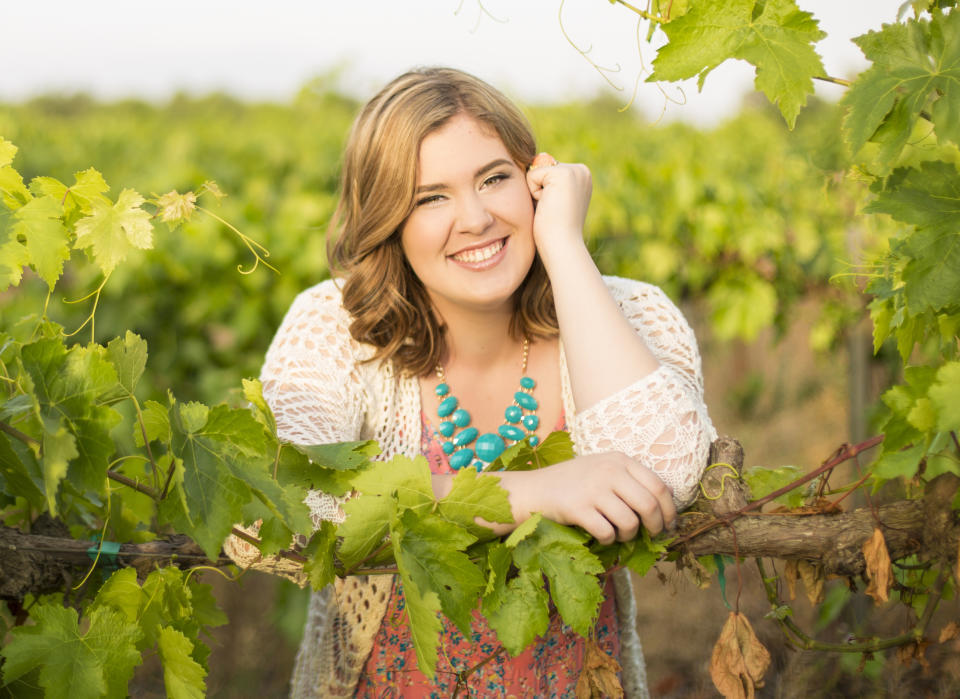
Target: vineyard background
751 228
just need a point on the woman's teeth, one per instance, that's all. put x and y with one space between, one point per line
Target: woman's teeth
479 254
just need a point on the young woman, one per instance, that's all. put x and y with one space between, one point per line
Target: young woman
462 278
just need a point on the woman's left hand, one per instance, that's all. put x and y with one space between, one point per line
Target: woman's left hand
562 192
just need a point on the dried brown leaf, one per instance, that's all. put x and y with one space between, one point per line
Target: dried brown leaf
739 660
914 651
813 579
790 575
879 571
949 632
598 678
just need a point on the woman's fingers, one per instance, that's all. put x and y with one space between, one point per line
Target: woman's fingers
653 487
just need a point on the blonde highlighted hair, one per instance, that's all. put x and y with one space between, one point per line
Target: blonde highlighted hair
389 306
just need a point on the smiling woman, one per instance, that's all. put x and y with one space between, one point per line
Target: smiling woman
463 286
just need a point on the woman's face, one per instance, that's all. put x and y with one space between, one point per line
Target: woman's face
470 237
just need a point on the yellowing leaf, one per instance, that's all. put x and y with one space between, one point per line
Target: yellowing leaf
115 230
739 660
879 571
791 573
7 152
175 207
13 258
213 188
949 632
39 222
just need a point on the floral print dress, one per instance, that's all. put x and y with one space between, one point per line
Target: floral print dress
547 669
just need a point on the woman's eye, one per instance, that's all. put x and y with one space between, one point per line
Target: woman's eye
495 179
432 199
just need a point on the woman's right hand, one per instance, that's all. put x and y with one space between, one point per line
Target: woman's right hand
609 495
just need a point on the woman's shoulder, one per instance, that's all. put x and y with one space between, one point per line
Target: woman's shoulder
626 290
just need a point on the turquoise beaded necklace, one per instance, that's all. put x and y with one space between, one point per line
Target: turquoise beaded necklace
467 446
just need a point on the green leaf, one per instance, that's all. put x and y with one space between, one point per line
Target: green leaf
13 258
913 63
522 613
642 553
183 677
429 551
422 611
122 593
763 481
59 448
129 357
774 36
40 224
928 198
113 231
899 464
7 152
12 190
475 495
560 553
21 472
319 550
156 422
525 529
341 456
944 395
409 480
521 456
72 665
253 392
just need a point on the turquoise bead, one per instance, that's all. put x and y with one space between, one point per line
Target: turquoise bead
448 448
478 465
513 413
489 446
460 417
525 400
531 422
461 458
447 428
510 432
527 382
534 440
442 389
465 437
447 406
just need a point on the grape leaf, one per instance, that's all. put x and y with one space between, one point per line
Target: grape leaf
521 456
640 554
72 665
429 551
319 550
156 422
409 480
89 186
366 526
912 63
774 36
560 553
763 481
213 496
129 357
518 611
341 456
13 258
40 224
59 448
122 593
944 394
928 198
115 230
253 392
474 495
422 611
327 467
183 677
20 472
12 190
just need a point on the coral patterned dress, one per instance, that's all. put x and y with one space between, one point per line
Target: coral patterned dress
547 669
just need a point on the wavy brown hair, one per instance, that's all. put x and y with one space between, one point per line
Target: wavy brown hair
389 305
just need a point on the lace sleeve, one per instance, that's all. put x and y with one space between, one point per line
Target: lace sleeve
661 419
311 383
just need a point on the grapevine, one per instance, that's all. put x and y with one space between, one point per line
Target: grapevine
161 479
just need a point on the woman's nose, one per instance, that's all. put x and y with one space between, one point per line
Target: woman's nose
472 214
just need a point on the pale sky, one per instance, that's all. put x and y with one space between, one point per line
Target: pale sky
267 49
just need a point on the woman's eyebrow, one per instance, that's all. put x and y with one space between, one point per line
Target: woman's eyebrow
486 168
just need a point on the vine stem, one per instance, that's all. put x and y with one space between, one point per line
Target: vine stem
844 454
800 639
17 434
831 79
127 481
646 15
146 444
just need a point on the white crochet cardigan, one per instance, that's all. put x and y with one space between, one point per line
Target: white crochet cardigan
321 392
